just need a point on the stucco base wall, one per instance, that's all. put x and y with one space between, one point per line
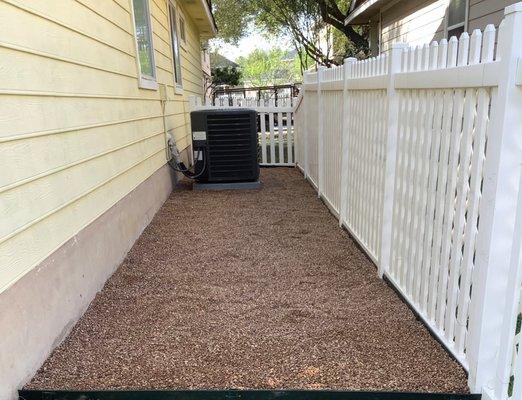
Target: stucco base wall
38 311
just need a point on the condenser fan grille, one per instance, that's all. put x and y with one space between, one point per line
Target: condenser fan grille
232 146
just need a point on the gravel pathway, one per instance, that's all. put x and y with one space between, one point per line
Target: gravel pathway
249 289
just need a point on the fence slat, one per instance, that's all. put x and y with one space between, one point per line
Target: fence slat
422 247
477 163
280 137
289 138
262 117
272 134
440 171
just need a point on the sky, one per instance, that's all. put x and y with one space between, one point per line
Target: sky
247 45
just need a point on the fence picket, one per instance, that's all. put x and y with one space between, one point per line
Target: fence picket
477 162
422 268
462 124
345 142
280 136
262 117
272 134
430 178
415 196
289 138
439 171
396 242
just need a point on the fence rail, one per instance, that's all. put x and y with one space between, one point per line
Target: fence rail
275 125
418 152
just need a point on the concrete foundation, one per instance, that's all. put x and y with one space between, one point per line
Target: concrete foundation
37 312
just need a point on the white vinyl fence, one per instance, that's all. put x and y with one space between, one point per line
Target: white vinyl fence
419 154
276 126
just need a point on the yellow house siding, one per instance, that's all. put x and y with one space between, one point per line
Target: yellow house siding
76 132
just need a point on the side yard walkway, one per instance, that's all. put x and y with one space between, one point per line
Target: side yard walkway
256 289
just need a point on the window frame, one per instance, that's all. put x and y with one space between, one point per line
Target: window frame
182 29
463 24
145 81
178 85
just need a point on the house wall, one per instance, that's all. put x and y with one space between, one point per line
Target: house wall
416 22
76 132
484 12
39 310
421 21
77 136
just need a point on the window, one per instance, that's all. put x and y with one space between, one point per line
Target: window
176 59
144 46
457 17
182 34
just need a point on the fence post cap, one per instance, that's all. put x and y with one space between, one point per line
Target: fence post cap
490 28
350 60
514 8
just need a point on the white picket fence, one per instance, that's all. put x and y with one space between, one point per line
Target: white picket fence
276 126
419 154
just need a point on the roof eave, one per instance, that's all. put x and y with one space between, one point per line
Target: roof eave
210 17
201 13
362 14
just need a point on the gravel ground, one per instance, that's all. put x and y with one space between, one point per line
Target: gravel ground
249 289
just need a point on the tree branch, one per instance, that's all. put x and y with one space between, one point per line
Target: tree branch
332 15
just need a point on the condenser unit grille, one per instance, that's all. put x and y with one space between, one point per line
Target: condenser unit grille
232 146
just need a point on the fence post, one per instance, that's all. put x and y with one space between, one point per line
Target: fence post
304 134
495 240
320 131
297 141
347 73
392 133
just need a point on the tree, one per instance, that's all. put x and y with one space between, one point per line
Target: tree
305 21
230 76
272 67
224 72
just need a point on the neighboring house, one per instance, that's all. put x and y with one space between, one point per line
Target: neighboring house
90 90
421 21
219 65
219 61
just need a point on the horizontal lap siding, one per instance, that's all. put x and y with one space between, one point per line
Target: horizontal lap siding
421 21
76 132
416 22
484 12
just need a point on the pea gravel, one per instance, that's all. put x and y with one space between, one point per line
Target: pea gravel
248 289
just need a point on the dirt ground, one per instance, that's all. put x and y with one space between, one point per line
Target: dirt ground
249 289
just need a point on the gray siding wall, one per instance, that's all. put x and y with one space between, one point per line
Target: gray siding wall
415 21
483 12
421 21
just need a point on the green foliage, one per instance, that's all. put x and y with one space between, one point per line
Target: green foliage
303 21
230 76
233 18
273 67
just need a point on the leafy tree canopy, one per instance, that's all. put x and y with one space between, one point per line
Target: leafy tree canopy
306 22
230 76
272 67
